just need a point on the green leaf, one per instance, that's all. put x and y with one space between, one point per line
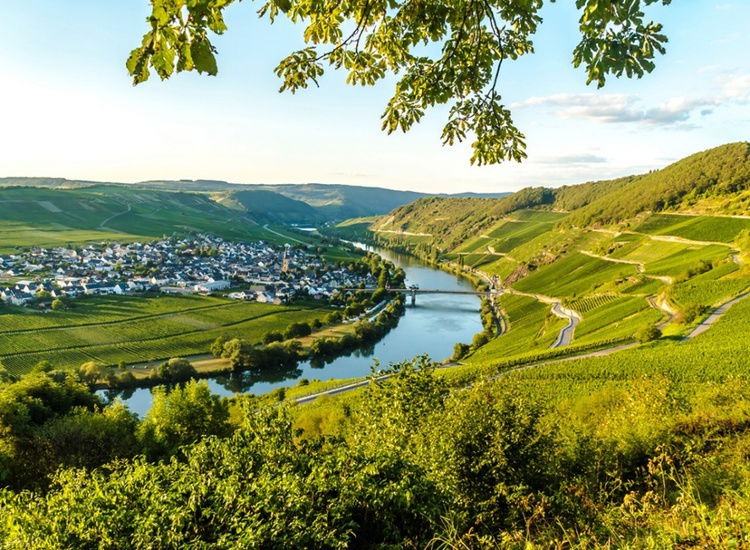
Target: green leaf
203 57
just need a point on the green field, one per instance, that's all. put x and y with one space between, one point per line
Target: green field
130 329
54 217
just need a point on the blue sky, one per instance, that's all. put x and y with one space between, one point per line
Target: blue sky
69 109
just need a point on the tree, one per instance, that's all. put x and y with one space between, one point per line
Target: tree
272 336
91 372
182 416
459 351
442 53
296 330
217 347
648 333
42 366
176 369
480 339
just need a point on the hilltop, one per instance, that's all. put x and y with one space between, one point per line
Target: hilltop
715 182
326 202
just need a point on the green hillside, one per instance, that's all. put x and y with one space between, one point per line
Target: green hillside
272 207
663 247
328 201
49 217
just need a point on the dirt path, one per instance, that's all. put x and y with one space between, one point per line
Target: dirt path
103 225
638 265
284 236
662 305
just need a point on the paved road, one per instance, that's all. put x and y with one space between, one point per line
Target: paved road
566 334
715 316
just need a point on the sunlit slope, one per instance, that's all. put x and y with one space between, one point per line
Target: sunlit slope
621 253
50 217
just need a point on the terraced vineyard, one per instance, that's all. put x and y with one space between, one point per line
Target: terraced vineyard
584 305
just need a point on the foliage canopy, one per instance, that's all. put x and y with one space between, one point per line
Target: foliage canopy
441 51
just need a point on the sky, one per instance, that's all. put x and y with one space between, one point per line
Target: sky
68 108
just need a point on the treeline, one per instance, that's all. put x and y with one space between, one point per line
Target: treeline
274 354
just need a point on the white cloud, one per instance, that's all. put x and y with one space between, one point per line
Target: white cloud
620 108
738 88
584 158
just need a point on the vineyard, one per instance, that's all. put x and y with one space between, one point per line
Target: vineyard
584 305
145 338
573 275
532 328
697 228
707 292
621 317
715 356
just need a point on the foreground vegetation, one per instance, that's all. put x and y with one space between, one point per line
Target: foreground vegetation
621 451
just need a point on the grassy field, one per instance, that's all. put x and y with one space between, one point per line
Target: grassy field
134 330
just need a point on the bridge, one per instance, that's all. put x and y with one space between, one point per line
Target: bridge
414 291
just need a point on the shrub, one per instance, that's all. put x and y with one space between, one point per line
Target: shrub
272 336
648 333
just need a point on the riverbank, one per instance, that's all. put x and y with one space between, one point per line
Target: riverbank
431 327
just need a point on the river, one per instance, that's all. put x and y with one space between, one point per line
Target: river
432 326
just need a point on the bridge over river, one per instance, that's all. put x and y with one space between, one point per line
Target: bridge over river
414 291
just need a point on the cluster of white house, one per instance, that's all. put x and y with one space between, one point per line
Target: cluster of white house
199 264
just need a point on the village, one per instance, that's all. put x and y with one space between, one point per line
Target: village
200 264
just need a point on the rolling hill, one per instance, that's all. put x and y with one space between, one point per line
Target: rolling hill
330 202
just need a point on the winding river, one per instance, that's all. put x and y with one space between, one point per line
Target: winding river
432 326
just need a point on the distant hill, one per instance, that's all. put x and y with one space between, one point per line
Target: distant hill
267 206
332 202
35 216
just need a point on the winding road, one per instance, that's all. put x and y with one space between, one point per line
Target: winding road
715 316
566 334
700 329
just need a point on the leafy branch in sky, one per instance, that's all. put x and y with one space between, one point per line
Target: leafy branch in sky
369 39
